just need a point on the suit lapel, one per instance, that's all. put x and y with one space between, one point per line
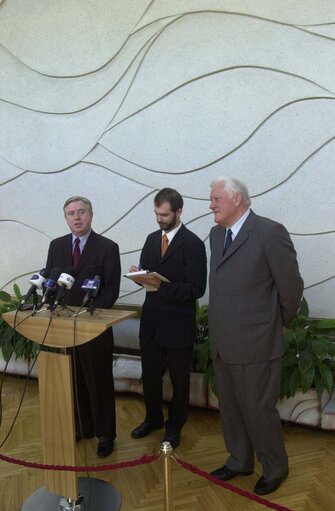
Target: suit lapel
157 247
67 252
88 250
240 239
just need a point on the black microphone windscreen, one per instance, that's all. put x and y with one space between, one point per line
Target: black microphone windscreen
55 273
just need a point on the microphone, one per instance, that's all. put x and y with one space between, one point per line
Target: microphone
92 287
50 285
65 281
36 282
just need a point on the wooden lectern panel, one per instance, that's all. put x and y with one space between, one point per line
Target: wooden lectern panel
64 330
55 381
57 422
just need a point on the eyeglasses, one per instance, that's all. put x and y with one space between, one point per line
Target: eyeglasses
78 212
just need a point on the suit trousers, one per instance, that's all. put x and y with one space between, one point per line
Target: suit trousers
155 361
93 385
250 421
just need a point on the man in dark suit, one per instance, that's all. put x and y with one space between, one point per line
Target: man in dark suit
92 255
255 290
167 327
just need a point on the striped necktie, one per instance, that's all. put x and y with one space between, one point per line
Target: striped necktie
228 241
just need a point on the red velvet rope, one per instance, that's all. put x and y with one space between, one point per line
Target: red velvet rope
68 468
142 461
230 487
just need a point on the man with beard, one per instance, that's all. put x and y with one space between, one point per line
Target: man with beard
167 327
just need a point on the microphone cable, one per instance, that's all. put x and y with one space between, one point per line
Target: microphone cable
13 335
2 443
75 392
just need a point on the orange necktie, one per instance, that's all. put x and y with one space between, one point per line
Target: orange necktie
165 244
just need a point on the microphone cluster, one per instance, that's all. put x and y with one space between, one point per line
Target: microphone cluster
53 285
36 281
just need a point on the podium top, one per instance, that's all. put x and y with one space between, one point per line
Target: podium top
65 330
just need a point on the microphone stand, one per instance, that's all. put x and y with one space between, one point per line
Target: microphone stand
63 307
35 299
89 308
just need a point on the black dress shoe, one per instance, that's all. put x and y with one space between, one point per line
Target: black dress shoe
145 429
265 486
105 446
225 473
173 439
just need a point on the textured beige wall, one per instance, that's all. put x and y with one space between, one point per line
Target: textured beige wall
116 99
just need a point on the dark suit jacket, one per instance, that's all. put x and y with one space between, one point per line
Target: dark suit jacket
93 361
168 315
255 289
100 257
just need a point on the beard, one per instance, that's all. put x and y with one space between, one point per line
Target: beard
168 226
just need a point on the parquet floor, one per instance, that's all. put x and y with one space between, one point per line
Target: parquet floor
310 486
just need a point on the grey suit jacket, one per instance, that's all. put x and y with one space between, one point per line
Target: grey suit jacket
255 290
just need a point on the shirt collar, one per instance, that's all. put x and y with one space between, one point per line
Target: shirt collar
83 239
237 226
171 234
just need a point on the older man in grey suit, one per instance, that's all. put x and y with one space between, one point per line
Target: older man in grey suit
255 290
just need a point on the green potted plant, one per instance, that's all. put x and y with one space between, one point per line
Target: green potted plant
309 358
11 342
202 362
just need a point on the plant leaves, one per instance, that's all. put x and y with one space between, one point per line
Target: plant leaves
5 297
307 378
17 292
303 309
290 360
326 375
294 382
306 361
321 347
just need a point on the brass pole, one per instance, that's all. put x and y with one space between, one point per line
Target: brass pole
167 451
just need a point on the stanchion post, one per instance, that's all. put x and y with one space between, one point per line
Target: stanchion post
166 451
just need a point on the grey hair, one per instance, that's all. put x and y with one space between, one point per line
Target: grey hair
233 185
77 198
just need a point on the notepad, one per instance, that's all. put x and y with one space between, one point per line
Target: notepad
148 275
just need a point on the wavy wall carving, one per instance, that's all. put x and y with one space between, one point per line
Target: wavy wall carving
114 100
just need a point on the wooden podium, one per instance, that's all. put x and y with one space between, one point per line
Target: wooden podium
61 330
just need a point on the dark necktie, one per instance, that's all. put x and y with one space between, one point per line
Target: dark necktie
228 241
76 253
165 244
